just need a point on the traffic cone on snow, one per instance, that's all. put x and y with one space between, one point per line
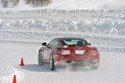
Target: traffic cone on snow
14 79
22 62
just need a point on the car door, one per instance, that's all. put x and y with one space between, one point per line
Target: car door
50 49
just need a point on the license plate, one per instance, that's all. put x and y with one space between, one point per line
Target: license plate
79 51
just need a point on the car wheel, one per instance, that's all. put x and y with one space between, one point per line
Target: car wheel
40 59
94 65
51 63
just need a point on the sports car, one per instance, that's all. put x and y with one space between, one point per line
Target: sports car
69 50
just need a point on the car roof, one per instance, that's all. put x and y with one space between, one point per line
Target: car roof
62 38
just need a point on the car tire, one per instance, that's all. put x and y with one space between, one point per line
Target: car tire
51 63
40 59
94 66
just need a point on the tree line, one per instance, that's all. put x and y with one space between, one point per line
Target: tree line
35 3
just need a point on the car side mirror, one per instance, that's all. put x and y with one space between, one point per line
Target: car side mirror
89 44
44 44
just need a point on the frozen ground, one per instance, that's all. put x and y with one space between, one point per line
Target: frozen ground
21 36
111 69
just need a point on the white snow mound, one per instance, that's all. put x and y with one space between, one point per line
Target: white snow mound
7 72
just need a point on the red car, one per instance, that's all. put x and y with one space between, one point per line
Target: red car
68 50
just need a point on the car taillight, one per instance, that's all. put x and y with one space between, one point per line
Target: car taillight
93 50
79 51
64 52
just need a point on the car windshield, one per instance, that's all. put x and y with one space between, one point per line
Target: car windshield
78 42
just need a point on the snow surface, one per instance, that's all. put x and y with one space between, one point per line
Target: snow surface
21 34
111 69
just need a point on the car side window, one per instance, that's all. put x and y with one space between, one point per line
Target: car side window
53 43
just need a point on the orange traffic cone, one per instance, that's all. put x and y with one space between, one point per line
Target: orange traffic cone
22 62
14 79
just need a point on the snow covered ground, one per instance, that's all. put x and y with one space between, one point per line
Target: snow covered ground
21 34
111 69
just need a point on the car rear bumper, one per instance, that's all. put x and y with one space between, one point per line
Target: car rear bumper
77 58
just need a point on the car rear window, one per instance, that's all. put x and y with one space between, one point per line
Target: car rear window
78 42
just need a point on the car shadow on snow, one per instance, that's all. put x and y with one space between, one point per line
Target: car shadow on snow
36 68
45 68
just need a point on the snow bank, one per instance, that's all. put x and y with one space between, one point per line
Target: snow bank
102 28
7 72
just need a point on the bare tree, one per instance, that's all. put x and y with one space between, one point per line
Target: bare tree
37 3
9 3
